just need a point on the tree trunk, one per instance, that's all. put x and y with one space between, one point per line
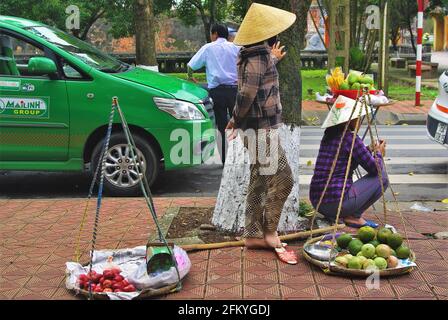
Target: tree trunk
145 48
412 36
289 67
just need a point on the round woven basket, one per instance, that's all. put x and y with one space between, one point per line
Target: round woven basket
341 271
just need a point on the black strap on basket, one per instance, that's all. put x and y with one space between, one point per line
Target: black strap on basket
144 185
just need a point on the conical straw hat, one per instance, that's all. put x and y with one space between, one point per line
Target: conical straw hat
342 109
261 23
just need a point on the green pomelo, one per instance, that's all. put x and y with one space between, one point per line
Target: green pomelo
365 79
352 78
383 251
383 234
355 246
348 256
344 86
343 261
368 250
395 240
393 253
362 259
343 240
403 252
369 264
355 263
356 86
366 234
375 243
381 263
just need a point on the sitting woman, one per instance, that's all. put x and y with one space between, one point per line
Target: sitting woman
360 195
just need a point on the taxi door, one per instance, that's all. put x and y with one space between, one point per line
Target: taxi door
34 112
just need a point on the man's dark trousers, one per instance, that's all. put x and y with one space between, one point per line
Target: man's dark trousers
223 102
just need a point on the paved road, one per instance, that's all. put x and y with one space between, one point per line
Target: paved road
409 151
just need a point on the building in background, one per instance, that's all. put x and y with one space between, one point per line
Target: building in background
440 20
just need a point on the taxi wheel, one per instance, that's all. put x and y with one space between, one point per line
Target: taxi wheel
121 177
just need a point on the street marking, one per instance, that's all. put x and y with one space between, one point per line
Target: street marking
400 179
387 137
397 160
391 146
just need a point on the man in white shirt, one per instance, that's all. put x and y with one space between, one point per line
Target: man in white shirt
219 59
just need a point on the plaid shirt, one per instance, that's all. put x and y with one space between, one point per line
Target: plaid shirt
361 156
258 100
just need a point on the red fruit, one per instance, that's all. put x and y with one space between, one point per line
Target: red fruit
118 285
91 273
102 279
129 288
108 290
107 284
118 278
118 290
116 270
83 278
125 283
108 274
98 289
96 278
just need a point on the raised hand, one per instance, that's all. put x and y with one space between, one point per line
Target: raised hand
277 51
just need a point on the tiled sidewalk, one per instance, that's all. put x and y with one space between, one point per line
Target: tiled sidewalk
38 236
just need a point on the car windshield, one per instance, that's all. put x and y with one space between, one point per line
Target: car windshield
80 49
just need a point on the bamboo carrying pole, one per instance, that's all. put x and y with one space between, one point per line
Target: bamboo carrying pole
286 237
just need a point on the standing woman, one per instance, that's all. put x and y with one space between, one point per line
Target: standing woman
258 110
359 195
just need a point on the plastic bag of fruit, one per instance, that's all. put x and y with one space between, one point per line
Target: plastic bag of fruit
121 274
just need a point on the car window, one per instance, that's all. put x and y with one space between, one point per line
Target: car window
69 71
15 55
80 49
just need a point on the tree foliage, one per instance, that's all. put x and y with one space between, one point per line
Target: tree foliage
118 13
208 11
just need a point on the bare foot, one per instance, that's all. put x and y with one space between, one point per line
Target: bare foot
272 240
354 220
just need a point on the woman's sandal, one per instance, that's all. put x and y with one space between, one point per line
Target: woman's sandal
286 256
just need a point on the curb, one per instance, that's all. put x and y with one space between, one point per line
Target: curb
316 118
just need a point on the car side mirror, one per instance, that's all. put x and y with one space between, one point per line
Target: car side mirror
41 66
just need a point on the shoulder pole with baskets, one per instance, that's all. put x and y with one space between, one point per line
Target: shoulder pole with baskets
144 186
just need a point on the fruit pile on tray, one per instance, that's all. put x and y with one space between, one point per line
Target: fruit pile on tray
371 249
361 254
350 86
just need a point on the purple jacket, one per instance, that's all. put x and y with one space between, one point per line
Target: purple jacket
361 156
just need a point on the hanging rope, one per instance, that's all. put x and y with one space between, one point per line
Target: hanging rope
100 193
144 185
347 171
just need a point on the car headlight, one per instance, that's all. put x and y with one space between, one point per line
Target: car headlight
179 109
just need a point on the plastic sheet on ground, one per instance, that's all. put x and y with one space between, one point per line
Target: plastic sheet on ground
132 262
418 206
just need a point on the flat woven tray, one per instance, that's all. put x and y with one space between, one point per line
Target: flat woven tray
336 270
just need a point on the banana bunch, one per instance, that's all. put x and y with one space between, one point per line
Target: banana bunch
335 78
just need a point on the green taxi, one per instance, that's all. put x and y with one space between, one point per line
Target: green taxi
55 100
